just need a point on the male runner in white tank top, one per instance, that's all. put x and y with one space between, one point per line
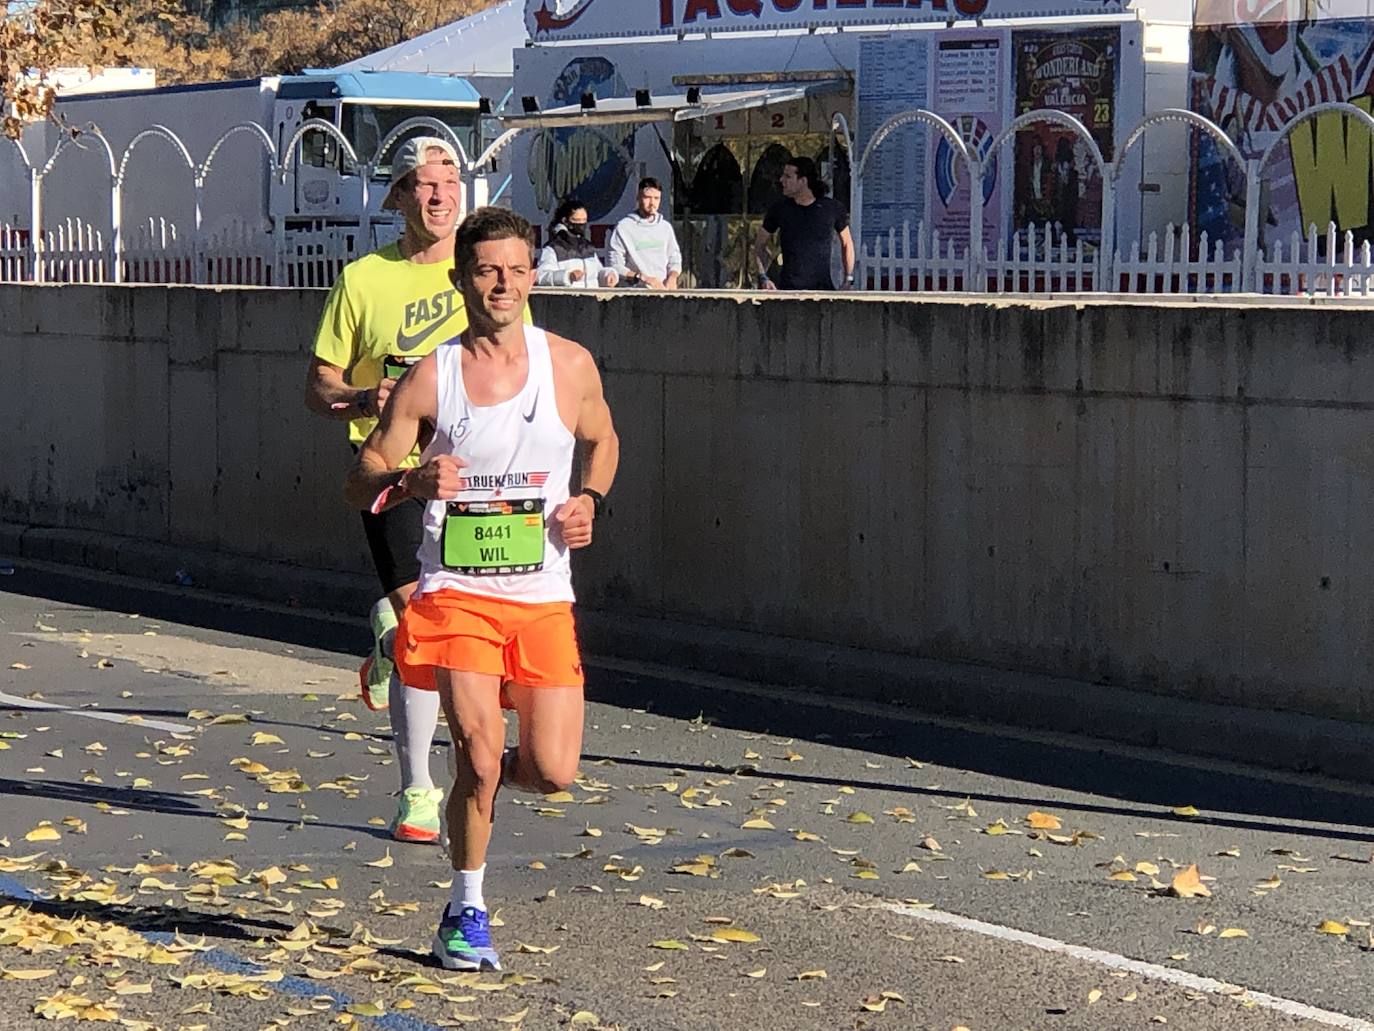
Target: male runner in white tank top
490 622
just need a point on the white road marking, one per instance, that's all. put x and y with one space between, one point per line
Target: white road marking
1181 978
95 714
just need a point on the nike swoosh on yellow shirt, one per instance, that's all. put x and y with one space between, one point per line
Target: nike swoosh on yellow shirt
410 341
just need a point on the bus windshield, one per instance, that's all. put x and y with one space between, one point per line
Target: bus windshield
367 125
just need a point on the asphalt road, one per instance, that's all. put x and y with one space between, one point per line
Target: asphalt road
190 836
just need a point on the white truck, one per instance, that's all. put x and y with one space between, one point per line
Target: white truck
239 187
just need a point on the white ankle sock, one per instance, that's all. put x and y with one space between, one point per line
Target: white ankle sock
414 716
467 889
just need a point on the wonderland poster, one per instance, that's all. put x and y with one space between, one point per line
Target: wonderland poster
1057 182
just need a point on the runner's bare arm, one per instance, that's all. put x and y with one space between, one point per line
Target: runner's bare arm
846 251
601 447
595 430
327 393
414 404
762 258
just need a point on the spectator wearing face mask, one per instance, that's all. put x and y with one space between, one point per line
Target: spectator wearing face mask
570 259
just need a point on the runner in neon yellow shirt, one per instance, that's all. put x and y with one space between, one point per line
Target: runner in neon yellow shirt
387 310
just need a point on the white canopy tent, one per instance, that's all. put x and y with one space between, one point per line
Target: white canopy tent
478 47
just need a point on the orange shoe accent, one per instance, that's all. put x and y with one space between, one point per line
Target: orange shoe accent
363 671
417 835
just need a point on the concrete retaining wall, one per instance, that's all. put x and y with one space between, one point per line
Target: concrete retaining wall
1173 498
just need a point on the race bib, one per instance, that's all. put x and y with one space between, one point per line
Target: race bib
494 538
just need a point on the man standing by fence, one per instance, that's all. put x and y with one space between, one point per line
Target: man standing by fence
643 247
805 220
387 310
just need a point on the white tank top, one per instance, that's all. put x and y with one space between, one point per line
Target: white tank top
519 455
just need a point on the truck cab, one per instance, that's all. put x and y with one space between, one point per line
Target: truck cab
365 107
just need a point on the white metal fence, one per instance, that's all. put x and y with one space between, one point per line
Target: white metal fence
159 252
1035 260
1040 260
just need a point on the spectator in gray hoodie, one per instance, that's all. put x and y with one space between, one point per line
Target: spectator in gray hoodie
643 247
570 259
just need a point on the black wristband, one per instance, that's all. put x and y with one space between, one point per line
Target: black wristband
598 499
364 403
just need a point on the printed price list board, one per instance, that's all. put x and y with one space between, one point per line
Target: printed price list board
894 76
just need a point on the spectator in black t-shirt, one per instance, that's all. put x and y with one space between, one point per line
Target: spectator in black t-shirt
804 219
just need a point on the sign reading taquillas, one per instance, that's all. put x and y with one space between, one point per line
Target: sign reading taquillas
548 20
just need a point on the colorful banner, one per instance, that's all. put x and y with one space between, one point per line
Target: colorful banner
1255 68
1057 182
970 94
548 20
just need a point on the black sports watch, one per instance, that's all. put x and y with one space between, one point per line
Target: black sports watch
598 499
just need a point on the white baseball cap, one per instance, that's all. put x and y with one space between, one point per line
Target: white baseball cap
412 154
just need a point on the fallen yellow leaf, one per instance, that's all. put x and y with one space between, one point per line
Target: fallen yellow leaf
1187 884
758 823
25 975
1332 927
734 934
43 832
1043 821
1233 932
382 863
1185 810
261 737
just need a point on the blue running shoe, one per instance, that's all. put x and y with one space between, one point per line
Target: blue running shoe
463 941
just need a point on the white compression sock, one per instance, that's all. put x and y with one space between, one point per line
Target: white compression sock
467 889
414 717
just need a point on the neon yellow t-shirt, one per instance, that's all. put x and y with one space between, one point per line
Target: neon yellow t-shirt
386 307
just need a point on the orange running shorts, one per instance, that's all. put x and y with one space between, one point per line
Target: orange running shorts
530 644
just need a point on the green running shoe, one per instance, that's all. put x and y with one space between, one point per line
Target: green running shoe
463 941
375 676
417 817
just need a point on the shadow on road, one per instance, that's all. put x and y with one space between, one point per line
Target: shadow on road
150 801
1127 784
1144 786
190 923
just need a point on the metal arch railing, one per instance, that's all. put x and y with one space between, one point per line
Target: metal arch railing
1330 107
154 131
252 129
1137 133
66 142
117 190
1068 121
1255 173
281 165
917 116
35 205
1053 117
1175 114
445 132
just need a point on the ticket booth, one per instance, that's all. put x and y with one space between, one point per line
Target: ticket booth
726 139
